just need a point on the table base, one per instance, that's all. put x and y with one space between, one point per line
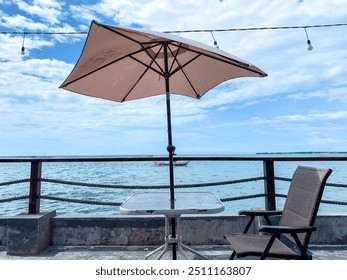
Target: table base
173 240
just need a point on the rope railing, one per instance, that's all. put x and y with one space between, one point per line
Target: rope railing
109 203
14 182
178 186
327 184
322 201
200 185
10 199
81 201
243 197
15 198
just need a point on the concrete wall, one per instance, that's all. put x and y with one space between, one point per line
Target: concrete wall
140 230
145 230
3 231
30 234
27 234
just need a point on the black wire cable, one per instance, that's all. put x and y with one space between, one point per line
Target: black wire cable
187 31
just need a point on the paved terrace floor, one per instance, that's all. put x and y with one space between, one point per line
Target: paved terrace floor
324 252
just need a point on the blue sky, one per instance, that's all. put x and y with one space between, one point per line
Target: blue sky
300 106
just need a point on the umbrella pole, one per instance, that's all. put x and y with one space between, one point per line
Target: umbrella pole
170 148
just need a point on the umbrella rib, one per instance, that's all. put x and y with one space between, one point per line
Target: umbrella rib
235 63
141 44
108 64
153 58
117 32
181 67
228 60
135 84
149 66
175 56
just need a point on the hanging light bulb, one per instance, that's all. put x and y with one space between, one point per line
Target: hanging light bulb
309 45
215 42
23 48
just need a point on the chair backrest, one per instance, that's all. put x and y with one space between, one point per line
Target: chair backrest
303 199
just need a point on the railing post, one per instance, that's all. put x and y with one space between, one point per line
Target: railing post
35 187
269 184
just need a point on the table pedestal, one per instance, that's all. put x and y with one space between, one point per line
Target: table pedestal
173 240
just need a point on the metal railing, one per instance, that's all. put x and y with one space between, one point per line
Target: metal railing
34 197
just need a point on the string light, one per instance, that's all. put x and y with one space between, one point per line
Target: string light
191 31
214 41
23 48
309 46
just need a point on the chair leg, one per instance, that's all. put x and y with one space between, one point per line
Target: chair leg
233 254
268 246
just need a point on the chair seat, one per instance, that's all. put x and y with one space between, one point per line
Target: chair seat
254 244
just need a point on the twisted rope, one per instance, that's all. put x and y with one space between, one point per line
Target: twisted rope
336 185
327 184
14 198
14 182
151 187
242 197
82 201
322 201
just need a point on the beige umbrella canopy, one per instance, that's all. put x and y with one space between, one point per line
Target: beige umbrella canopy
122 64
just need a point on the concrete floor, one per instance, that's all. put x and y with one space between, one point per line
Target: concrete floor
321 252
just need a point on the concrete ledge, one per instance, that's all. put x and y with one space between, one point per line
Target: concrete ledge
148 230
3 231
331 229
109 230
29 234
140 230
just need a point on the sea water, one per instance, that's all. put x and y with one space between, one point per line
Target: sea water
148 174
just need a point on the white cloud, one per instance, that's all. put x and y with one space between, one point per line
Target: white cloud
48 10
324 141
38 78
312 85
338 94
340 115
20 22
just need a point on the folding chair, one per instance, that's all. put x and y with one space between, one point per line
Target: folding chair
289 239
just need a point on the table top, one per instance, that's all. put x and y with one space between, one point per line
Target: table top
159 203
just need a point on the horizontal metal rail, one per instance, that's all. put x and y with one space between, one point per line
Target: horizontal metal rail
266 157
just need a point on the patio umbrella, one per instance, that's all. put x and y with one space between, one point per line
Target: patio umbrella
122 64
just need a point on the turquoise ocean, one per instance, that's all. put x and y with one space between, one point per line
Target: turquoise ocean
146 173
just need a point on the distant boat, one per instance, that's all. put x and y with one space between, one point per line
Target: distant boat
176 163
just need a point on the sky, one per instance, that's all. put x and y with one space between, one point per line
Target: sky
300 107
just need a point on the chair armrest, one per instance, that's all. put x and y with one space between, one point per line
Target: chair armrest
286 229
256 213
264 213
